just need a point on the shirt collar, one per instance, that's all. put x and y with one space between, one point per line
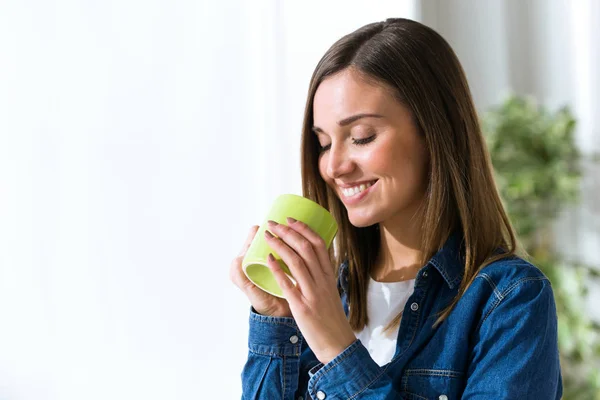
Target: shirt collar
449 261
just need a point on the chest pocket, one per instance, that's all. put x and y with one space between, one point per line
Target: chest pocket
432 384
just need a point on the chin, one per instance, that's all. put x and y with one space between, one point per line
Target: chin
362 221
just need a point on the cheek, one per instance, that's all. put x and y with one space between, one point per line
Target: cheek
380 162
381 158
418 165
408 164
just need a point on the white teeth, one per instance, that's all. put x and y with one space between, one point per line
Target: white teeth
357 189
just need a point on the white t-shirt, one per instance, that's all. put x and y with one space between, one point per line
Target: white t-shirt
384 301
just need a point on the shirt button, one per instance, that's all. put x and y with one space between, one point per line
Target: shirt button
294 339
320 395
425 274
300 398
414 306
443 397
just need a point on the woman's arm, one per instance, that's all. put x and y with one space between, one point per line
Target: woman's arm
515 355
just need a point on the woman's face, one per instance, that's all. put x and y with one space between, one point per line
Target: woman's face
368 136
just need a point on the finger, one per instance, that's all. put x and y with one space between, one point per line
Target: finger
235 272
295 263
290 291
302 247
249 239
318 244
237 275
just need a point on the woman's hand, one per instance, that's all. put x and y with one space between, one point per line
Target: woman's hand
314 301
263 302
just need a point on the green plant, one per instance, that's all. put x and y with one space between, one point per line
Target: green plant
538 173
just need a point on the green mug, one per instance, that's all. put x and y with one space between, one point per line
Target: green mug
300 208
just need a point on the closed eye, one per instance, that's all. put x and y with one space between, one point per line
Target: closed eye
359 142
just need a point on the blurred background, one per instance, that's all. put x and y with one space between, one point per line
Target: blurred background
140 140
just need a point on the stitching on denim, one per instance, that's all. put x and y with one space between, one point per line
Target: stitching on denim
415 395
492 284
266 321
514 285
284 375
262 379
273 353
426 372
434 372
493 306
395 359
441 270
509 290
351 350
367 385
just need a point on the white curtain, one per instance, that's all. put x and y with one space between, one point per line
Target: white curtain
139 141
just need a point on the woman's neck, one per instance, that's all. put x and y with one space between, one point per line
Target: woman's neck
400 251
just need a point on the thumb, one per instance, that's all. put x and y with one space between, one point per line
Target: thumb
249 239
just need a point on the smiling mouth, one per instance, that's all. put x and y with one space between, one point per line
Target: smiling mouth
355 191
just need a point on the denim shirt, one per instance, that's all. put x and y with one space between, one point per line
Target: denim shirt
499 342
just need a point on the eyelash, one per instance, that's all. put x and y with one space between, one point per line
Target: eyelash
359 142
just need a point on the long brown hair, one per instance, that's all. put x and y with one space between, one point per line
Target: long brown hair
461 194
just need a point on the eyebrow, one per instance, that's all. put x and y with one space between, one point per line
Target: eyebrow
349 120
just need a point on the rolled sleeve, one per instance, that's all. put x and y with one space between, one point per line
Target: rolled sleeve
368 379
274 336
272 368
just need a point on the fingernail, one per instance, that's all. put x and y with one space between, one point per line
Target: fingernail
290 220
271 258
268 234
271 223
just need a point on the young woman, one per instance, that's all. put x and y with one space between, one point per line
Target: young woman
424 294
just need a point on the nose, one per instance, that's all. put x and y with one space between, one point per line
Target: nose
338 162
